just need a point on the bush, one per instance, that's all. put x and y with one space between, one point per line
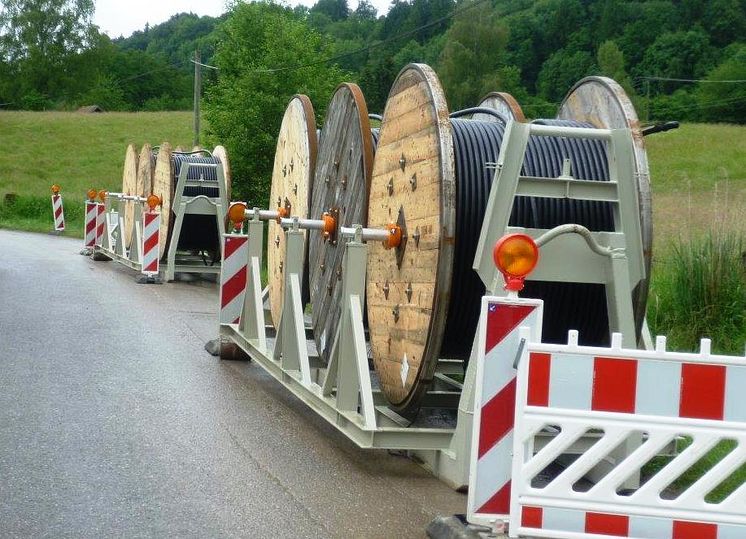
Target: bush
699 290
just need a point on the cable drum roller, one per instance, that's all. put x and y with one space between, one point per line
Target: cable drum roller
198 232
292 182
432 177
502 102
341 183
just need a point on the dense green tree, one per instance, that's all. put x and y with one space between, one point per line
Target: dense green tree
725 101
686 55
336 10
264 55
474 52
561 70
610 61
38 39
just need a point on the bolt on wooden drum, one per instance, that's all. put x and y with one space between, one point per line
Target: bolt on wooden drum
502 102
292 180
602 102
413 184
341 182
129 187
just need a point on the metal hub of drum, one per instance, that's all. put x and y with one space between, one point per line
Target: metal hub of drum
292 180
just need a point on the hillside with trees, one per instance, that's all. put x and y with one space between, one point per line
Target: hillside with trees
679 60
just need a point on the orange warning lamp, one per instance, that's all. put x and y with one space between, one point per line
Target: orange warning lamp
515 255
153 201
237 214
56 189
92 194
102 195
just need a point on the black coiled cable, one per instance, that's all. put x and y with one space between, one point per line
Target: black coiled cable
198 232
567 305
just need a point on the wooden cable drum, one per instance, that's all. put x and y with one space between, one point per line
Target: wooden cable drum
502 102
603 103
129 187
341 182
292 180
431 176
163 186
145 170
199 233
221 154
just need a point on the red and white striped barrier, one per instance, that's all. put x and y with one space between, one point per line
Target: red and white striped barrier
58 212
621 394
91 213
151 225
492 436
233 274
100 223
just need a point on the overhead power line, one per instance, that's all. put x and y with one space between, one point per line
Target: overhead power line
738 81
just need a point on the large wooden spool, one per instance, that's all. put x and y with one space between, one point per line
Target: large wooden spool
129 187
413 184
602 102
163 186
341 182
502 102
292 180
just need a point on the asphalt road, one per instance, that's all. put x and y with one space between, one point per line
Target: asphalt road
115 422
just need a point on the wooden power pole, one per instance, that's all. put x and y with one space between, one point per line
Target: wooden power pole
197 94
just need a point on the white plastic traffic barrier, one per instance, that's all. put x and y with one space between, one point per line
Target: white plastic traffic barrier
233 274
91 212
492 437
150 248
58 212
657 395
100 222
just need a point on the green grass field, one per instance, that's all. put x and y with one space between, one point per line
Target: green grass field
76 151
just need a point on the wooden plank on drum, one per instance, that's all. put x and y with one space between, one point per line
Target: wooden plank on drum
292 180
502 102
413 176
145 170
129 187
221 154
341 183
163 186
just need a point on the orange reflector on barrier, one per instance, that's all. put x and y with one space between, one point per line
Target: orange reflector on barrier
515 255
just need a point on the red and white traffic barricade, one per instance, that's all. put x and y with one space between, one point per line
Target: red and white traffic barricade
492 437
100 219
58 211
91 216
659 396
151 251
233 275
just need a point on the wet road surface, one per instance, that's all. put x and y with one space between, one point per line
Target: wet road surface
115 422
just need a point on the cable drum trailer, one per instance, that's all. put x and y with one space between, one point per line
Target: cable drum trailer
379 273
193 194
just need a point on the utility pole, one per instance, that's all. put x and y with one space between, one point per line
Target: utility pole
197 94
